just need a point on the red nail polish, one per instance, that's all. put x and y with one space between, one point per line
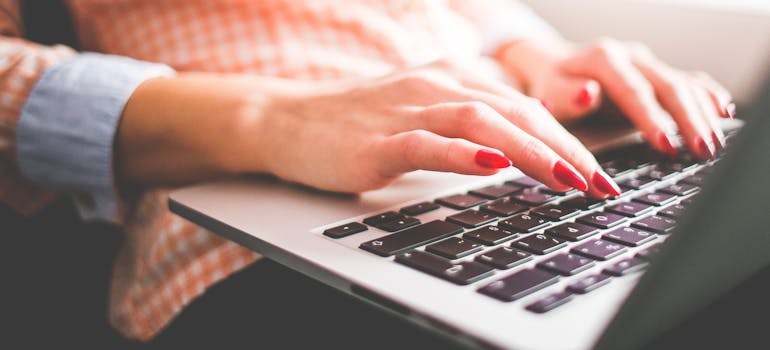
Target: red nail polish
584 97
567 175
603 183
705 150
719 141
665 144
492 159
730 110
547 105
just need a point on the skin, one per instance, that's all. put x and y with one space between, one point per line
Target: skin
645 89
361 134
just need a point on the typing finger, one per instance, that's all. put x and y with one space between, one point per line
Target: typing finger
609 63
421 149
478 122
676 95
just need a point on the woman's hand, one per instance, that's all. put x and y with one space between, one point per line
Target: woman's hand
362 135
574 80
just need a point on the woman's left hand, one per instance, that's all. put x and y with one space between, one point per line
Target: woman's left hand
572 81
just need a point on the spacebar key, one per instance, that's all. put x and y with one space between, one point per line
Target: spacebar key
411 238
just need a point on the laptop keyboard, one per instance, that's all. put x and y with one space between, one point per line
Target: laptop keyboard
496 229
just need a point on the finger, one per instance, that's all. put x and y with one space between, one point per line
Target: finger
609 64
721 98
533 119
677 96
480 123
583 95
711 115
420 149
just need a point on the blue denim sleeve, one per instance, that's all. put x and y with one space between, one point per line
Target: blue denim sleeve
66 129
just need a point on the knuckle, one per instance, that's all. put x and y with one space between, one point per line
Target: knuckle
472 113
411 145
531 149
674 88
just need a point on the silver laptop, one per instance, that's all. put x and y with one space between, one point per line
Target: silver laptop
504 262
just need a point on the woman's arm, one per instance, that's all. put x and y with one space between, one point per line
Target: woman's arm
348 136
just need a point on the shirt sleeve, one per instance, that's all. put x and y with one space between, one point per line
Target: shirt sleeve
501 21
66 130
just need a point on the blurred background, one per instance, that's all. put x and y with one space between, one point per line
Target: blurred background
729 39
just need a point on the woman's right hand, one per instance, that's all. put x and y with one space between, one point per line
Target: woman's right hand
362 135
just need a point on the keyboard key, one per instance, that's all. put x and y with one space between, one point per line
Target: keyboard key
566 264
588 283
637 183
655 223
460 201
548 190
660 173
525 181
629 236
504 207
454 248
555 212
539 244
616 168
398 225
496 191
649 253
599 249
411 238
601 219
523 223
655 198
672 211
582 203
630 209
419 208
680 189
465 272
697 179
472 218
490 235
383 218
345 230
533 197
550 302
504 257
572 231
680 165
519 284
626 266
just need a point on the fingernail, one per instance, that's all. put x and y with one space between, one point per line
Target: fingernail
584 97
604 183
547 105
666 145
730 110
492 159
705 150
567 175
719 140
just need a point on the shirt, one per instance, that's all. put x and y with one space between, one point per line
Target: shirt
59 109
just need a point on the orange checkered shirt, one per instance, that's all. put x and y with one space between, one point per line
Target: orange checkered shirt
165 261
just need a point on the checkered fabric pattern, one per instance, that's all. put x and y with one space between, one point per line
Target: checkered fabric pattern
165 262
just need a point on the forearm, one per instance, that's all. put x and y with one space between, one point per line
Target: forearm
197 126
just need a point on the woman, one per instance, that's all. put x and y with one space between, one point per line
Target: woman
337 95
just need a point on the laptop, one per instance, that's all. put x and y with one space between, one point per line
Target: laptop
504 262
